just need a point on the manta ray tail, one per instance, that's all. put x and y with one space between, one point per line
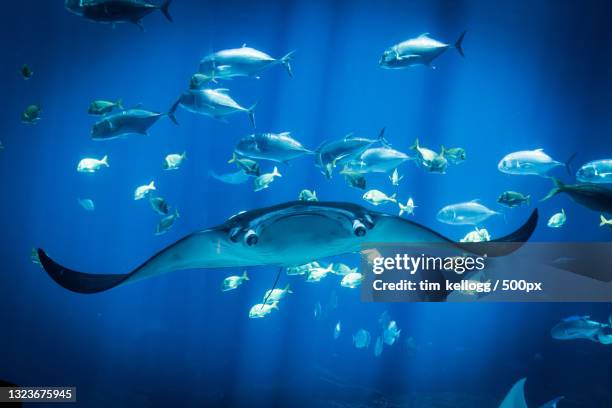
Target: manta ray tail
78 281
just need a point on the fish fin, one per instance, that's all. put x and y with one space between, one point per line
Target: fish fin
459 44
243 45
119 103
184 155
349 136
244 275
222 90
568 163
251 112
275 172
415 146
164 9
604 338
286 61
172 111
393 197
381 137
603 220
552 403
559 185
233 159
423 35
105 160
288 288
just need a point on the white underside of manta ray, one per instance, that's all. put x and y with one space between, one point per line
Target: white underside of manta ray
287 234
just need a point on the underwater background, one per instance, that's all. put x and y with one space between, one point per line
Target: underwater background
535 75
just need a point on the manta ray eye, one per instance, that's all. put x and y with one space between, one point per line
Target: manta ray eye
251 238
358 228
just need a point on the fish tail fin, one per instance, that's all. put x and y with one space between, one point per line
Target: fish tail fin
152 185
233 159
184 154
393 197
274 305
244 275
164 9
602 220
119 103
275 172
528 199
105 160
459 44
559 185
176 213
251 112
403 208
288 288
568 163
172 111
381 137
415 146
286 61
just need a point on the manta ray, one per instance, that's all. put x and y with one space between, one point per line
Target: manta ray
287 234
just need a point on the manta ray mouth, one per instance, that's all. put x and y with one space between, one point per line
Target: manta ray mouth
339 228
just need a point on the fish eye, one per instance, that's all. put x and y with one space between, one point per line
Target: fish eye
251 238
358 228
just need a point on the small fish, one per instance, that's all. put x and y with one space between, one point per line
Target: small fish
174 161
276 295
421 50
34 257
216 103
144 190
603 221
166 223
102 107
430 160
598 171
238 177
342 269
90 165
454 155
466 213
241 62
31 114
307 195
337 330
529 162
391 333
557 220
159 205
86 203
232 282
395 178
301 269
26 72
318 311
478 235
248 166
315 274
361 339
408 208
264 181
512 199
355 181
276 147
378 346
377 197
261 310
352 280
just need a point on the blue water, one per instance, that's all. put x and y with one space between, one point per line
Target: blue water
536 75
